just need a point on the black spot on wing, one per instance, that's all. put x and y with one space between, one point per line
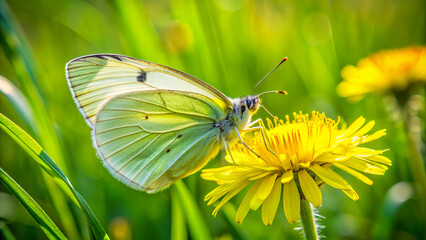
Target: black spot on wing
168 150
179 136
142 76
116 57
100 56
146 117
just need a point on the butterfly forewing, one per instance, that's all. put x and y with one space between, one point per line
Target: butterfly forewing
149 139
94 79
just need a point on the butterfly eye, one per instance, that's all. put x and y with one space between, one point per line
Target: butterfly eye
249 104
243 108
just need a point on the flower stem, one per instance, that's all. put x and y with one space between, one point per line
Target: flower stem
308 221
413 131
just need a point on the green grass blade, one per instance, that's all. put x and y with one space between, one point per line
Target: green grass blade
139 31
390 207
230 212
30 146
18 50
17 99
46 224
5 232
47 164
178 231
197 225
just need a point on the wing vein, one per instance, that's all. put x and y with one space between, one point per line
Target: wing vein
114 128
136 110
150 160
182 153
141 151
97 89
86 73
171 110
122 136
98 78
175 129
115 118
125 146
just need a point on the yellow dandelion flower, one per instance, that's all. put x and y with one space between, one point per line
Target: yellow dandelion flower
386 71
296 162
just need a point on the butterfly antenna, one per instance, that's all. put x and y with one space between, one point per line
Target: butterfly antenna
273 117
282 61
274 91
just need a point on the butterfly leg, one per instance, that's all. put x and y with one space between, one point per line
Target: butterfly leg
228 149
245 145
261 127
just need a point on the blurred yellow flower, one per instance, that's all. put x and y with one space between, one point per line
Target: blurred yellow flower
120 229
390 70
298 161
177 37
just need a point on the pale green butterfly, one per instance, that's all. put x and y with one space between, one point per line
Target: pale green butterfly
153 125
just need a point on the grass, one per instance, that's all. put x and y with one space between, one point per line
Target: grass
230 45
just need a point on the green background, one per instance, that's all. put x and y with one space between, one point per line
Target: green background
230 45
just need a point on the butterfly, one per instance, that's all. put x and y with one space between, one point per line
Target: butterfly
153 125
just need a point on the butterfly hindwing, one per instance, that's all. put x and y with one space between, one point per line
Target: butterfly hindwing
150 139
94 79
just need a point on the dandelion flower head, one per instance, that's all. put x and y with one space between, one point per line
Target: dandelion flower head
296 160
385 71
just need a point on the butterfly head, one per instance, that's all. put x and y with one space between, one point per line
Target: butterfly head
245 107
252 103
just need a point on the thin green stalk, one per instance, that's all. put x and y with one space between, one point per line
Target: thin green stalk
178 231
230 212
46 224
50 167
5 232
308 221
415 160
18 49
139 30
197 226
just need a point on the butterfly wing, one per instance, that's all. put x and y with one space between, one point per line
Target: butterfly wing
150 139
94 79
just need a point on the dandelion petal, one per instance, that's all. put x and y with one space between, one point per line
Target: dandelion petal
356 174
245 204
365 129
380 159
291 201
351 193
355 126
310 188
271 203
229 195
262 193
287 177
330 177
375 136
